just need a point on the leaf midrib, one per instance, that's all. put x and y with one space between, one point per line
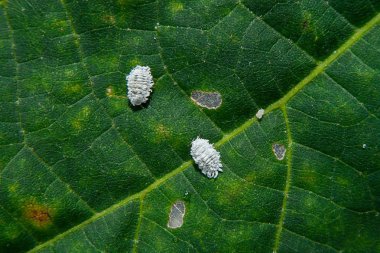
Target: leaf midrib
227 137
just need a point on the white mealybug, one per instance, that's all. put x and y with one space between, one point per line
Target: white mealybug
139 83
207 158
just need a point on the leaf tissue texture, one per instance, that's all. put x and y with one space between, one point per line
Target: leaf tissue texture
81 170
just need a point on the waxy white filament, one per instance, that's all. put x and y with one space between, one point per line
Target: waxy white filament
139 83
206 157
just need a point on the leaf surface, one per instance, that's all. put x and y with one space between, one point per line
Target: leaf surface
84 171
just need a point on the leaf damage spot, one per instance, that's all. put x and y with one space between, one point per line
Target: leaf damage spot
209 100
279 151
38 215
177 212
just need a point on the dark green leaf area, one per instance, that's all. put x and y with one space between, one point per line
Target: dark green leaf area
82 170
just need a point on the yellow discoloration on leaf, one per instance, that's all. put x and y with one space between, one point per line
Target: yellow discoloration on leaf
9 231
76 42
73 89
233 192
12 188
31 87
3 2
343 181
311 202
79 120
47 86
177 142
251 177
176 7
109 19
308 177
113 62
38 215
234 39
134 62
366 75
161 133
70 73
308 26
137 40
119 103
59 24
306 23
110 91
37 84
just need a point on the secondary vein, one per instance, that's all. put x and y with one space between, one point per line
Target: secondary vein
287 184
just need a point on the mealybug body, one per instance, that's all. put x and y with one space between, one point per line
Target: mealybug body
139 83
207 158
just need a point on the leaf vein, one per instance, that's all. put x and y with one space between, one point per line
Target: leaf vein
228 136
287 183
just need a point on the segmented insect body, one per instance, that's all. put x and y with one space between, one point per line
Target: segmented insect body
139 83
206 157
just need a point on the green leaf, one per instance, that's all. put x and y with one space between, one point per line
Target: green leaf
83 171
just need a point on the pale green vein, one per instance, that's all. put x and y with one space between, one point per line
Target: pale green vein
116 206
324 64
51 170
288 180
137 233
227 137
313 74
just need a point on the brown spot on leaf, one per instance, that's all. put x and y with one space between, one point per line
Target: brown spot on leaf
38 215
109 19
